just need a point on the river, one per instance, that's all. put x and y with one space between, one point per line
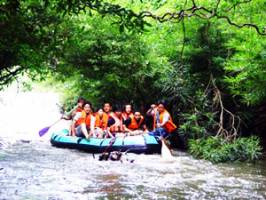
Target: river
30 168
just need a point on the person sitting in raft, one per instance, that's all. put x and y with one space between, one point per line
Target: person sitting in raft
163 123
83 122
78 108
136 124
107 108
101 123
127 114
115 124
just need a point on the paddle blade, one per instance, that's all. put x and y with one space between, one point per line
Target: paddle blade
43 131
165 152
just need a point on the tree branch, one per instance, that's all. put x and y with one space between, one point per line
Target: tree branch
128 16
203 13
232 130
6 78
241 25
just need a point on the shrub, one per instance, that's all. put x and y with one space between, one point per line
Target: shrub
216 149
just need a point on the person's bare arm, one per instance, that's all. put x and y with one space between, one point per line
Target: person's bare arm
109 132
84 130
92 125
126 129
73 131
144 128
75 118
152 110
71 114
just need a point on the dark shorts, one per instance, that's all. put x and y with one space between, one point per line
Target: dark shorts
127 122
111 121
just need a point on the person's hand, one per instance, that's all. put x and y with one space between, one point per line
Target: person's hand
130 133
158 125
87 137
73 132
153 106
92 133
64 117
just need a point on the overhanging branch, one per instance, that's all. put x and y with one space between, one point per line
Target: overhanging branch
203 13
131 19
8 76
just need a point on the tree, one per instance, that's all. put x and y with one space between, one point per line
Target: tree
27 39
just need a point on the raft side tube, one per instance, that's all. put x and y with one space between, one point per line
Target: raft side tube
135 144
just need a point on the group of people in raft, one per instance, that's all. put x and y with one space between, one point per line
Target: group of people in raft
106 122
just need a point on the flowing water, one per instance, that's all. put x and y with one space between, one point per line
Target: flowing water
30 168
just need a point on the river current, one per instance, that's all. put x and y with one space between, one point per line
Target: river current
30 168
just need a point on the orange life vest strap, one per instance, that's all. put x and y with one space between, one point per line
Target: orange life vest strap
126 115
134 124
85 118
101 122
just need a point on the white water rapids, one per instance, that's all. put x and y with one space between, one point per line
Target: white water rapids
30 168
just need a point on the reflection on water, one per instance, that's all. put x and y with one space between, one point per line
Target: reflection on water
30 168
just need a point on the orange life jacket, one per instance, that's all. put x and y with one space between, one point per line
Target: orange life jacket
118 125
169 125
134 125
110 114
126 115
101 122
85 118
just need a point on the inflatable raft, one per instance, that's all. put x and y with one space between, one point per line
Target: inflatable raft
135 144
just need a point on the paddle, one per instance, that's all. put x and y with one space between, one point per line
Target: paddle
165 151
43 131
105 154
112 141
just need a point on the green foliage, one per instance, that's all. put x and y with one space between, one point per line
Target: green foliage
199 122
246 75
27 39
33 39
187 85
134 51
217 149
108 65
